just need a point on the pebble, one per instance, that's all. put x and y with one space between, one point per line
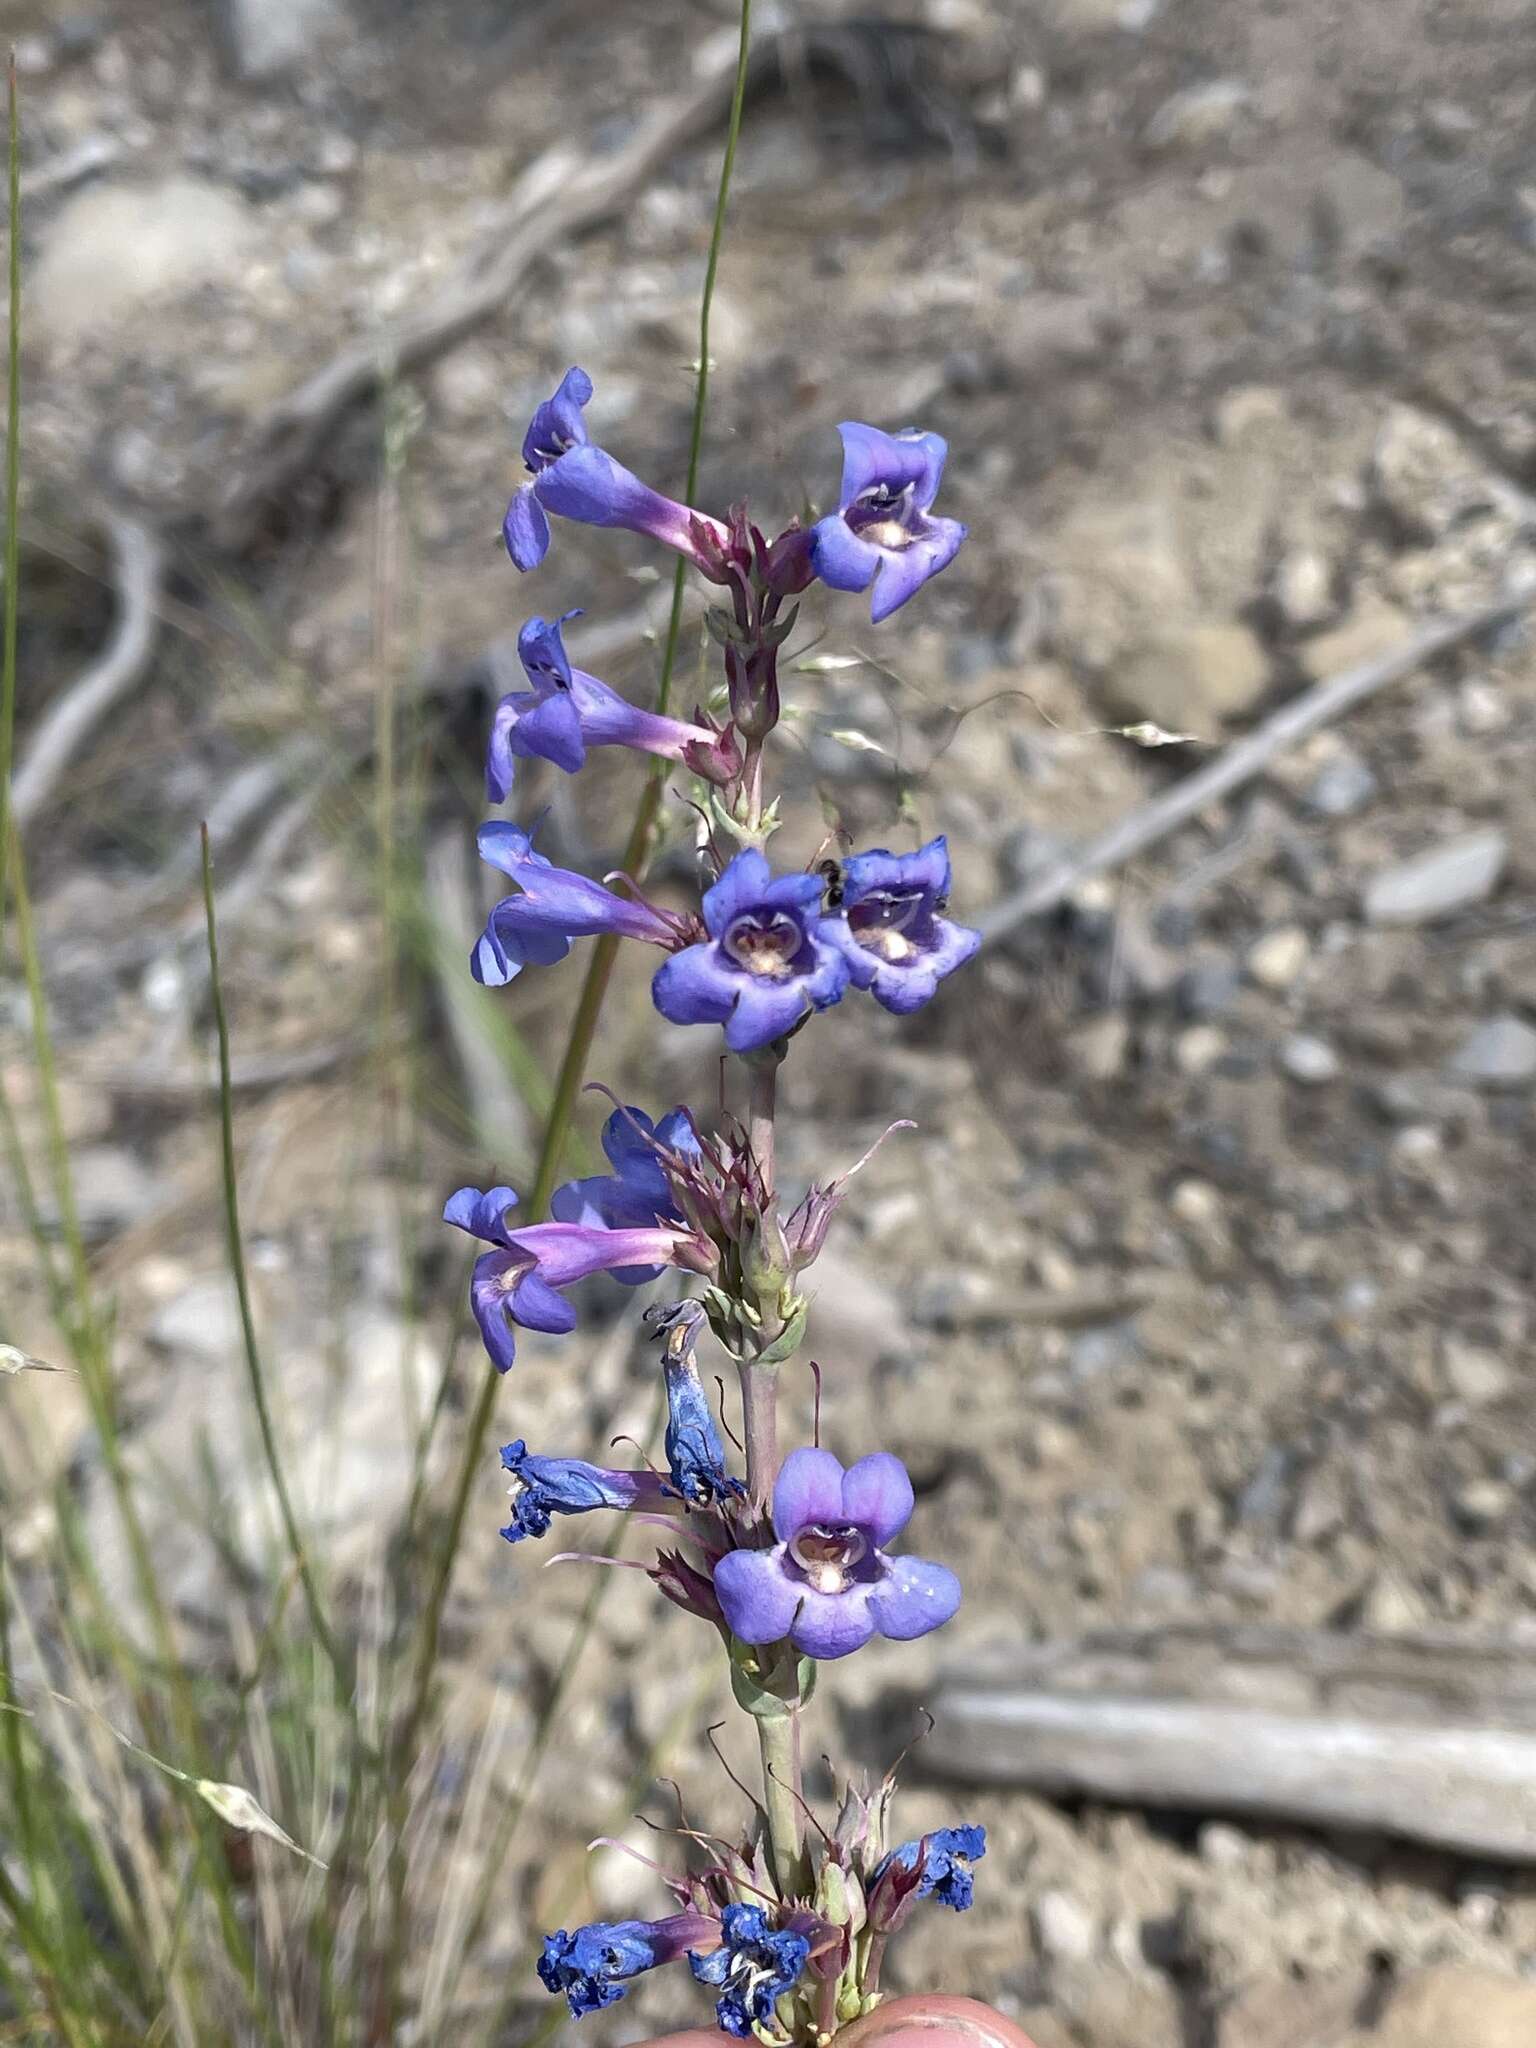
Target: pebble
113 1190
1303 588
1199 115
1064 1928
1482 1504
264 39
1498 1053
1309 1060
1199 1048
1342 786
1207 989
203 1322
1477 1377
1373 628
1439 881
1191 680
1278 958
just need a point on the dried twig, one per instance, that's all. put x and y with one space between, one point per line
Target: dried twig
1240 762
139 563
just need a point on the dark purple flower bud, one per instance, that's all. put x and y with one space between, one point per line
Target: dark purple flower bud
578 480
768 962
894 941
595 1966
937 1867
788 563
554 906
686 1586
695 1454
828 1584
882 532
542 1487
519 1281
754 1966
567 711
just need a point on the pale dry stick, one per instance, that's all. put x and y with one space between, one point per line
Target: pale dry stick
139 561
1239 763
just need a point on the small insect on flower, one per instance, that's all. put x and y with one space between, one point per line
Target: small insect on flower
894 938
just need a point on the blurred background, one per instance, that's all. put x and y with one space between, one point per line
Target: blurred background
1200 1300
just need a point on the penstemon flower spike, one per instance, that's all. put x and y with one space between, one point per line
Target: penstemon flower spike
793 1560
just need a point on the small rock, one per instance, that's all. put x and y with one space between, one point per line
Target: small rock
1312 1061
1197 1202
1276 960
1320 1512
1303 588
1199 115
263 39
1064 1929
113 1190
1199 1048
1427 479
1244 407
34 56
1207 989
1455 2006
1477 1377
118 246
1498 1053
203 1322
1441 880
1482 1504
1391 1607
1342 786
1224 1847
1373 628
1418 1099
1192 680
1099 1047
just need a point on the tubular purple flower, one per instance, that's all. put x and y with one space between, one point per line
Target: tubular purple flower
554 906
542 1487
578 480
637 1192
566 711
518 1281
893 940
593 1966
769 961
883 532
828 1584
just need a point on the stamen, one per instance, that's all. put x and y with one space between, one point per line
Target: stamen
827 1554
764 943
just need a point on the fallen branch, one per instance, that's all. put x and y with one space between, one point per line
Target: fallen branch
139 564
1240 762
1430 1738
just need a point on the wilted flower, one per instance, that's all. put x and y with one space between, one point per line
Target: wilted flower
755 1965
937 1867
882 531
578 480
595 1965
553 906
894 941
566 711
768 962
827 1584
519 1280
543 1487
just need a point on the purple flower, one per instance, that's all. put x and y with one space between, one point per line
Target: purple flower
519 1280
567 711
543 1487
578 480
882 531
938 1867
553 906
770 958
756 1964
894 941
827 1583
594 1966
637 1193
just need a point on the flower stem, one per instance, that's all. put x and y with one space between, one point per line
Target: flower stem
778 1743
764 1070
760 1414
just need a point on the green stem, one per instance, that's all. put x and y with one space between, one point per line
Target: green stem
236 1250
778 1745
12 477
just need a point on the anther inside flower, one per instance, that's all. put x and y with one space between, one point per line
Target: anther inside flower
766 943
828 1584
895 941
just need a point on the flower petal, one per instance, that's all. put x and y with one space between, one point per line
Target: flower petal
548 729
756 1595
914 1597
537 1306
839 557
525 529
831 1625
694 987
488 1299
738 889
765 1011
877 1495
905 570
809 1489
